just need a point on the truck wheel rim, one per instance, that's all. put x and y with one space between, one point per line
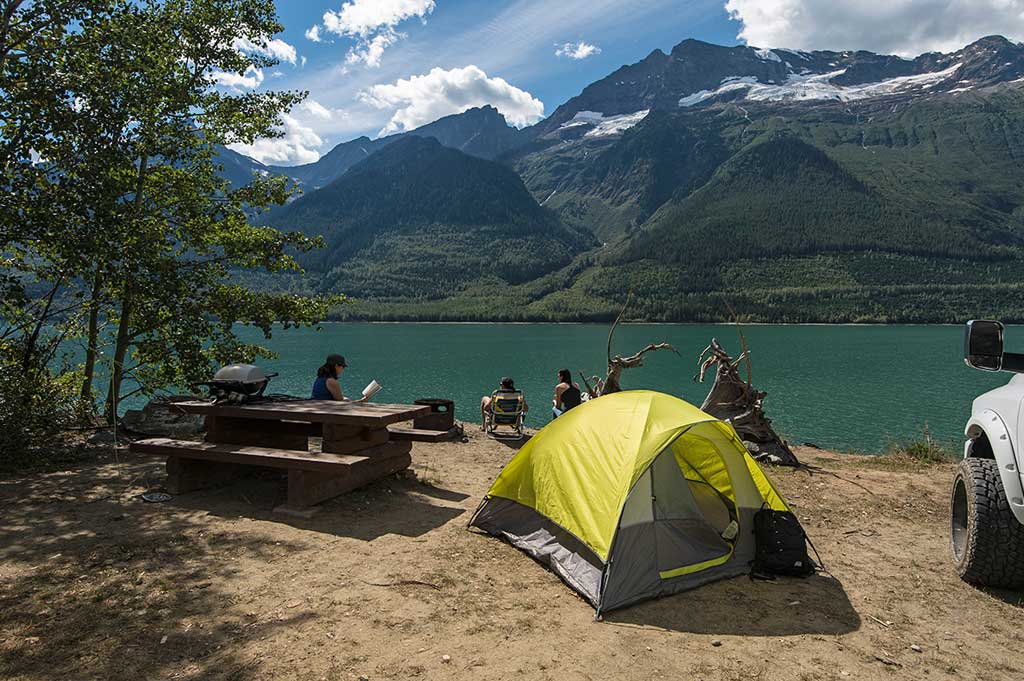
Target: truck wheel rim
959 519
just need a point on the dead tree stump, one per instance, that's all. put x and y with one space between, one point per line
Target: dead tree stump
738 403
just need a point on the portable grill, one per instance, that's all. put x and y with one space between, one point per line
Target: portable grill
238 383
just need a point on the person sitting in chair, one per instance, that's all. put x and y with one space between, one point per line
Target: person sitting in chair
506 385
326 385
567 394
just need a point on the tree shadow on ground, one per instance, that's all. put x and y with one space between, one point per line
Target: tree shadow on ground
95 583
389 506
745 607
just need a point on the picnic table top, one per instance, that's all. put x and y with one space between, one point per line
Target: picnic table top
314 411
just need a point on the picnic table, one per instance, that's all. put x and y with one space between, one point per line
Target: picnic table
357 446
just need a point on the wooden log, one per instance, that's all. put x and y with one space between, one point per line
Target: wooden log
275 434
308 488
187 475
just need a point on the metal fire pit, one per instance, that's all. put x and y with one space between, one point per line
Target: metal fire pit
441 416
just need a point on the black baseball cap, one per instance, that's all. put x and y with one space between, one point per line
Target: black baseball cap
336 359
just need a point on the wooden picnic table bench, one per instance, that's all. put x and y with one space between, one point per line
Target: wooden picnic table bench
357 446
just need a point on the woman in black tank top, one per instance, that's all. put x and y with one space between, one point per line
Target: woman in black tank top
567 394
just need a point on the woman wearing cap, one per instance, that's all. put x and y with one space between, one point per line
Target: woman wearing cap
326 385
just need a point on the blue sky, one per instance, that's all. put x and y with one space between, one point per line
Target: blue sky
512 40
376 67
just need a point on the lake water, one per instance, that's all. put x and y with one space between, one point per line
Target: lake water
841 387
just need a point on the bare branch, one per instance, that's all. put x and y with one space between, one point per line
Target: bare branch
611 332
743 341
637 359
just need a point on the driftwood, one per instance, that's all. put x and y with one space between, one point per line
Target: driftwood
617 364
740 404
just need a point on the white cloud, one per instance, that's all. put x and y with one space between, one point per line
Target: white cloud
298 145
274 47
372 24
363 18
422 99
238 82
905 27
315 108
372 50
580 50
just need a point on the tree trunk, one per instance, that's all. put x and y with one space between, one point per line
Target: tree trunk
37 329
92 338
120 350
124 321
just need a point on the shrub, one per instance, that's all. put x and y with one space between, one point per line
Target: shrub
35 408
926 450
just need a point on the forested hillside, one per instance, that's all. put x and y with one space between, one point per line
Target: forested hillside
423 221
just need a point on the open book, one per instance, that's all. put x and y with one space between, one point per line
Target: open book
372 389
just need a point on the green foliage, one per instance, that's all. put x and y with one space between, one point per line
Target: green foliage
421 221
924 450
35 406
786 197
119 218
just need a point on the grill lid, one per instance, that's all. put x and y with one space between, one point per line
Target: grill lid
241 373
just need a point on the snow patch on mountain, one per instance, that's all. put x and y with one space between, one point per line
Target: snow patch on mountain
767 55
616 125
605 126
807 87
584 118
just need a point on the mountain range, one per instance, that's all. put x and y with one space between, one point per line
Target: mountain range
788 185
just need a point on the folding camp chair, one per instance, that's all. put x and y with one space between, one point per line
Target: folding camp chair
507 410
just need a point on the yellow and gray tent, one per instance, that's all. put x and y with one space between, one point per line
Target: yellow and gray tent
631 496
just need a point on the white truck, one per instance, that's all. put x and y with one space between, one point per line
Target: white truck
988 493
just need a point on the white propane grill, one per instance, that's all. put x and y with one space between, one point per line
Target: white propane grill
239 383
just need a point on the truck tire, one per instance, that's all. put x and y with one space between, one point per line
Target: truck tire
987 540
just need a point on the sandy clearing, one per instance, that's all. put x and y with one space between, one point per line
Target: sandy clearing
386 581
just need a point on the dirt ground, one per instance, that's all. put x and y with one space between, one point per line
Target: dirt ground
388 583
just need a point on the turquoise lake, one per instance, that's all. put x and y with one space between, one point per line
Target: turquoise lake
842 387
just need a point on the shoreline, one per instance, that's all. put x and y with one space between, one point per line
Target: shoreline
629 323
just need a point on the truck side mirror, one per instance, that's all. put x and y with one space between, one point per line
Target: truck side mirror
983 345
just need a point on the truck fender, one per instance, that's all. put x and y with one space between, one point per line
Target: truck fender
990 425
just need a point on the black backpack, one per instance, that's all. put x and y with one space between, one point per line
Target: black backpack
780 545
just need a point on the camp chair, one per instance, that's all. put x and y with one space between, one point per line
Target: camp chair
507 409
